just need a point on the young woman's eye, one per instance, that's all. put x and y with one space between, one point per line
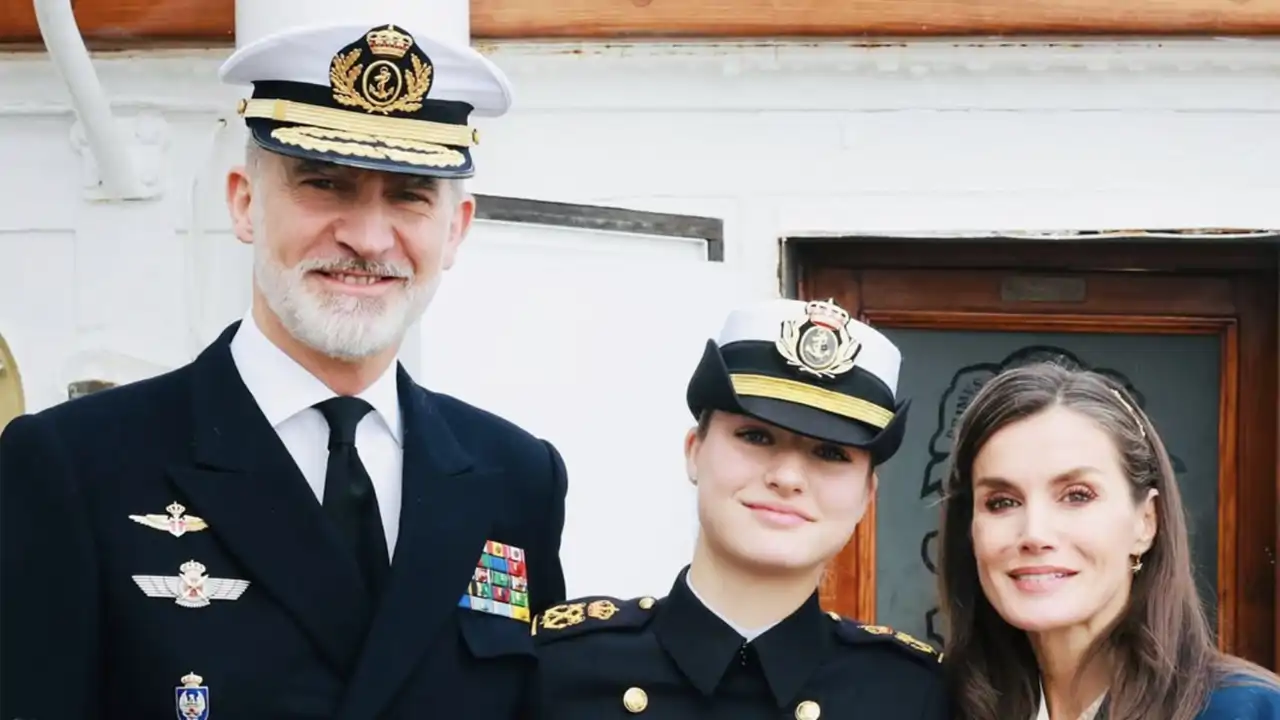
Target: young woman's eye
755 436
834 453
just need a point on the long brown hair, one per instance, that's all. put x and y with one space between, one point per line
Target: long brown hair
1166 661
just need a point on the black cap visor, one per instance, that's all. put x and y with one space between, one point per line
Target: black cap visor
361 150
712 388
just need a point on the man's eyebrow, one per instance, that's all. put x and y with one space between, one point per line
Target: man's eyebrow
319 167
310 167
422 182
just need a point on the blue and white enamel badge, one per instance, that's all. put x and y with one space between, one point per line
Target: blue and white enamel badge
192 698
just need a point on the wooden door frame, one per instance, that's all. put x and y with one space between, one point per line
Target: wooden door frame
1230 292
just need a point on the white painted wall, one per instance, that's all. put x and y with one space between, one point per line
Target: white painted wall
779 140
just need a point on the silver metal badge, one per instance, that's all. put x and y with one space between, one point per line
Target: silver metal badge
191 588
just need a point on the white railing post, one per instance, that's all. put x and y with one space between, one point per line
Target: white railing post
110 145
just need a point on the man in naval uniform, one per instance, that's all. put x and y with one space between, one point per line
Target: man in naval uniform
796 405
289 526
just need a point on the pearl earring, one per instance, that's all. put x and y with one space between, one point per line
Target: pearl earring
1136 563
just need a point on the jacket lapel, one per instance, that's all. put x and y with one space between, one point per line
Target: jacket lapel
444 522
256 501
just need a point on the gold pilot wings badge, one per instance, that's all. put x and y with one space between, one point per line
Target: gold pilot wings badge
174 523
191 588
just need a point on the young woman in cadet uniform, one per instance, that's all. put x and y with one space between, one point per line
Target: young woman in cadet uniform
796 407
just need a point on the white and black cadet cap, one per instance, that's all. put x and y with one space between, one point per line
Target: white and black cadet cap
381 97
807 367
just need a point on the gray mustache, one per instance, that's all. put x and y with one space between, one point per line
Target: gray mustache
357 265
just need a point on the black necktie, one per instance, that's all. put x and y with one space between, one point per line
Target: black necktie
349 498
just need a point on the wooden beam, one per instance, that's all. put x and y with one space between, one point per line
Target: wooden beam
843 18
131 23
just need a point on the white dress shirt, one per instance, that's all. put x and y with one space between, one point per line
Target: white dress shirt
747 634
286 392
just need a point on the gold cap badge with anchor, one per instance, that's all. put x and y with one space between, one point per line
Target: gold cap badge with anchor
385 85
819 344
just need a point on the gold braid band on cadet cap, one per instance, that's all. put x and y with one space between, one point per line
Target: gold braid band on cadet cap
425 131
367 146
814 397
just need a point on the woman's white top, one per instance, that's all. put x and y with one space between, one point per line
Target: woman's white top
1088 714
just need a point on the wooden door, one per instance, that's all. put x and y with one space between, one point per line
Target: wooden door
1196 348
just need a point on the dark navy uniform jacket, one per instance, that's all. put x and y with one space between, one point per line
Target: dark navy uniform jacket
673 659
81 640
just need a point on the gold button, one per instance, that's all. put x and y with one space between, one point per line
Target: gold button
808 710
636 700
646 603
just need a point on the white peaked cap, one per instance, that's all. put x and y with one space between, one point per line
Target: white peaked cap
762 321
303 54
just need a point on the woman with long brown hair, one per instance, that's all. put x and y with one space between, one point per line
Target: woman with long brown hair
1065 567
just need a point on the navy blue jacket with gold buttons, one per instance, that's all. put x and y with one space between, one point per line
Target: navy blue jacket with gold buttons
289 631
673 659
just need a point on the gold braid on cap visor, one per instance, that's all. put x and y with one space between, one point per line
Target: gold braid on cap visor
399 128
814 397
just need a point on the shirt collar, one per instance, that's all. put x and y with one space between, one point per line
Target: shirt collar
283 388
1096 710
747 634
703 646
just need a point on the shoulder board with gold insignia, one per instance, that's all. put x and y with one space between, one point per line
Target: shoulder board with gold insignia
588 614
857 633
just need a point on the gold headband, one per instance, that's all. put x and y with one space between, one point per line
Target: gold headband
1132 412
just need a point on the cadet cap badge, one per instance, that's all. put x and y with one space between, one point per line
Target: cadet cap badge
174 523
191 588
820 343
